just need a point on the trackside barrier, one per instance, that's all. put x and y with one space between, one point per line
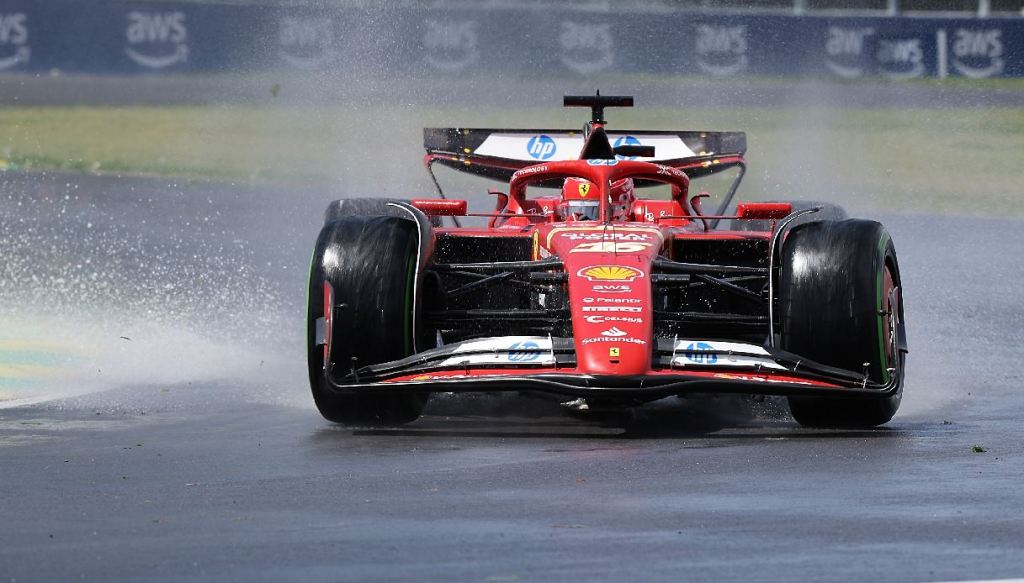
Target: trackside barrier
121 37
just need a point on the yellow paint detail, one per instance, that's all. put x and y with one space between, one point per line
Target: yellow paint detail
536 245
612 273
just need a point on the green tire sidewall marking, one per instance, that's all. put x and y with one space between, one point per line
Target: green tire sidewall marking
883 242
309 283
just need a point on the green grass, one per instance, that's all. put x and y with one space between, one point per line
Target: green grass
951 160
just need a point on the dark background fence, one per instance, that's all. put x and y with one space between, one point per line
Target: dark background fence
114 37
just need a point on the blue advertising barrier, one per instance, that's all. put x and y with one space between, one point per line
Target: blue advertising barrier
123 37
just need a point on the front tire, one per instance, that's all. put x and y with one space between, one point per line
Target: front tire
370 264
840 305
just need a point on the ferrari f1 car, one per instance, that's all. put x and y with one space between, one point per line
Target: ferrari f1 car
581 285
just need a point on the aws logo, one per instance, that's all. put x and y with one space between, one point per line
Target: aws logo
586 47
722 50
14 49
306 42
978 53
845 50
450 45
157 40
900 58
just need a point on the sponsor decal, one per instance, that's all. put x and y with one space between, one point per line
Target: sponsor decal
605 234
631 309
586 47
612 289
684 344
602 236
610 273
627 340
844 50
613 351
14 48
666 146
978 53
306 42
613 332
602 162
501 350
526 351
612 301
531 170
541 147
584 189
722 50
700 353
759 379
157 40
669 171
611 247
625 141
900 58
450 45
606 319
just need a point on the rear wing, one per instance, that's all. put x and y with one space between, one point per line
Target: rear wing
498 153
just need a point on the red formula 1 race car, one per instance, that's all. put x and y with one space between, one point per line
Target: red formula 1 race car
594 291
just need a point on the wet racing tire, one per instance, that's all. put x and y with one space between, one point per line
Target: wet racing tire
370 262
840 305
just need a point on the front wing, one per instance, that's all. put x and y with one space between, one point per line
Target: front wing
679 367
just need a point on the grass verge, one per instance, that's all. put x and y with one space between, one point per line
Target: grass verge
963 160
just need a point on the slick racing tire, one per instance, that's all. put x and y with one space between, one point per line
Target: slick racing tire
829 212
840 305
370 262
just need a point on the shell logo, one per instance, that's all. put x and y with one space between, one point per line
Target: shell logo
610 273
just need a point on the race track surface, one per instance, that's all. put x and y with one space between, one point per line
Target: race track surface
157 426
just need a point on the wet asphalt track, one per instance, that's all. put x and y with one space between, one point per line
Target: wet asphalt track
203 478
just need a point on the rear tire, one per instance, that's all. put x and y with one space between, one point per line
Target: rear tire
370 262
840 305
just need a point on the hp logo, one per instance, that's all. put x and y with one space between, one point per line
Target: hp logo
523 351
701 353
626 141
541 147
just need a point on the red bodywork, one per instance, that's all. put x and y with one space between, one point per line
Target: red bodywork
608 272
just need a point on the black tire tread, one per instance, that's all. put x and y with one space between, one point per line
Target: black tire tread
828 313
369 265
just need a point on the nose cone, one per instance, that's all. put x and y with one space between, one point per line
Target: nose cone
610 295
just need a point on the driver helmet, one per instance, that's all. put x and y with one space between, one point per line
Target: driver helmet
623 196
579 200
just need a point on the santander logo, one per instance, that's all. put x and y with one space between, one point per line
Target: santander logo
614 332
